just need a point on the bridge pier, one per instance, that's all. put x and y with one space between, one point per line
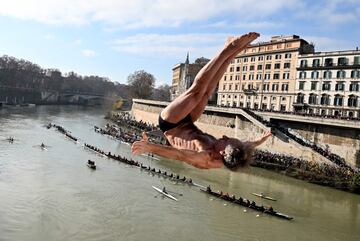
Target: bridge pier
49 96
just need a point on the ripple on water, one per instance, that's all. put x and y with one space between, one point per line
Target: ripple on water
52 195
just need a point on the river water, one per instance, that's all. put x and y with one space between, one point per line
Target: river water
52 195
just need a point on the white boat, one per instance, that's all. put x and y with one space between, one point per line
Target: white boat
263 196
164 193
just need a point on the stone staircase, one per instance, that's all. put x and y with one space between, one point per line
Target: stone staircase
239 112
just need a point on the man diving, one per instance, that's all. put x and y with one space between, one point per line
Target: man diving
188 143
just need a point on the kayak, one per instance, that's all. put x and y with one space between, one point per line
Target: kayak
263 196
164 193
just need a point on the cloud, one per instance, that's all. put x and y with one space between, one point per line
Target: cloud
49 36
138 13
159 83
207 44
330 12
88 52
247 25
329 44
78 42
171 45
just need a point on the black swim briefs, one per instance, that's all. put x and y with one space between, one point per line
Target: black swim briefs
165 125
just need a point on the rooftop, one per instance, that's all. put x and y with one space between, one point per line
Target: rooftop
329 53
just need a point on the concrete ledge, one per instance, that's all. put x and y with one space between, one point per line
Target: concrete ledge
215 122
151 102
268 116
211 108
310 120
238 112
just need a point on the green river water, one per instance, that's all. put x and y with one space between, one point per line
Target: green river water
48 195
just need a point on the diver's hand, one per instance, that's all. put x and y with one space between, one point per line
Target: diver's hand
142 146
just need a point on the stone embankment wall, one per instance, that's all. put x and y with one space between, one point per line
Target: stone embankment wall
10 96
218 124
340 140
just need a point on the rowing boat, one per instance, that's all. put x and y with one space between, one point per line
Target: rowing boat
164 193
101 154
198 185
231 199
280 215
173 178
92 166
263 196
242 203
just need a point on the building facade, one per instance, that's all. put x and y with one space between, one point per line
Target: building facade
263 76
328 83
183 75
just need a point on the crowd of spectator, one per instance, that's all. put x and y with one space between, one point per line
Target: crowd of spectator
339 175
118 133
320 172
324 151
129 130
125 119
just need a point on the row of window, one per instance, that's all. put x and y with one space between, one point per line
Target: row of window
256 106
342 61
326 100
258 76
341 74
259 67
261 58
339 86
269 47
256 97
264 106
266 87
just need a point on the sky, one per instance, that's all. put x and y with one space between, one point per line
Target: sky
115 38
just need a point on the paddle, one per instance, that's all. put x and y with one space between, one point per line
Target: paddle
180 194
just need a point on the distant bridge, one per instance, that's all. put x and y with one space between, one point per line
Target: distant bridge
73 97
55 96
48 94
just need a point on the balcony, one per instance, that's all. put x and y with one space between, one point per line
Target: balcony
250 91
330 66
298 104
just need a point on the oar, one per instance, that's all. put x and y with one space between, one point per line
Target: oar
180 194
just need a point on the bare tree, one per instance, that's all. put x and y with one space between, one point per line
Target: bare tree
19 74
162 93
141 83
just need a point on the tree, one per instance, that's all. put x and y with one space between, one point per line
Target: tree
19 74
141 83
162 93
118 104
355 183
